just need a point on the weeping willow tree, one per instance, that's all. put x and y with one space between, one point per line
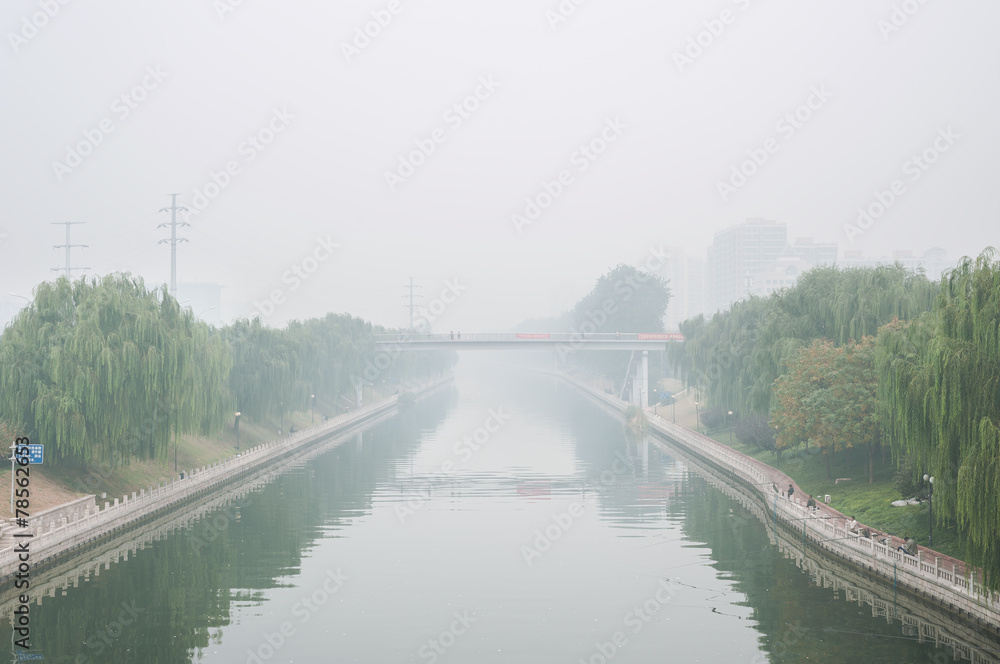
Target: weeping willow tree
266 373
278 370
736 355
105 370
940 402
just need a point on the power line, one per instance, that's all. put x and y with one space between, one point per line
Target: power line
68 246
411 305
173 239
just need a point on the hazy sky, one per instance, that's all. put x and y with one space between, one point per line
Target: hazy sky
309 114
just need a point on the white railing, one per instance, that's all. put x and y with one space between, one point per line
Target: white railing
820 526
47 540
404 337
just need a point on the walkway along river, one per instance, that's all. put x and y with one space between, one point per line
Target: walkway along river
81 523
945 585
409 542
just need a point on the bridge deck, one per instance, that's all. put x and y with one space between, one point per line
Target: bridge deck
529 341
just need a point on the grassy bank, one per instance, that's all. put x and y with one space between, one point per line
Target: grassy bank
869 503
54 485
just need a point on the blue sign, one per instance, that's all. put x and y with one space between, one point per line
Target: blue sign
35 453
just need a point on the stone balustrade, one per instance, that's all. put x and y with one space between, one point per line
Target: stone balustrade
924 574
66 527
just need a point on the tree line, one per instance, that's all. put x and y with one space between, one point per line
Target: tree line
872 359
105 370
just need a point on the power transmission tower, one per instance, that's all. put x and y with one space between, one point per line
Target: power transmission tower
173 238
411 305
68 246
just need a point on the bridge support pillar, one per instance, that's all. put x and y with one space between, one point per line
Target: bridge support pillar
644 380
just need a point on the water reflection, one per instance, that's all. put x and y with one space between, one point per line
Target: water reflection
507 519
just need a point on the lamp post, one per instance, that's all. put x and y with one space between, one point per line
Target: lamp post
312 408
237 425
697 416
930 511
730 428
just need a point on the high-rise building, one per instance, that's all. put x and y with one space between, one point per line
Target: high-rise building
737 255
933 262
686 276
814 253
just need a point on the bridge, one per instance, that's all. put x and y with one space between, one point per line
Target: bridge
570 341
562 343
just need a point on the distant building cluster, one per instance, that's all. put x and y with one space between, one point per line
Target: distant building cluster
757 258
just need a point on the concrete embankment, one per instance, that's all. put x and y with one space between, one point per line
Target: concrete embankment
944 581
82 523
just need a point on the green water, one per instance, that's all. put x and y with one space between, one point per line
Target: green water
505 519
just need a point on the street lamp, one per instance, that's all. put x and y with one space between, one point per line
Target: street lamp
697 416
312 407
930 511
730 428
237 425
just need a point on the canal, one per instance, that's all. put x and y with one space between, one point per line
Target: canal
503 519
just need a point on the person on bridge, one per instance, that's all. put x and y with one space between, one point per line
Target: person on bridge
453 335
791 490
811 503
459 336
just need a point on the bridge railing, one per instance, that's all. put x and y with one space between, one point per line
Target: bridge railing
403 337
